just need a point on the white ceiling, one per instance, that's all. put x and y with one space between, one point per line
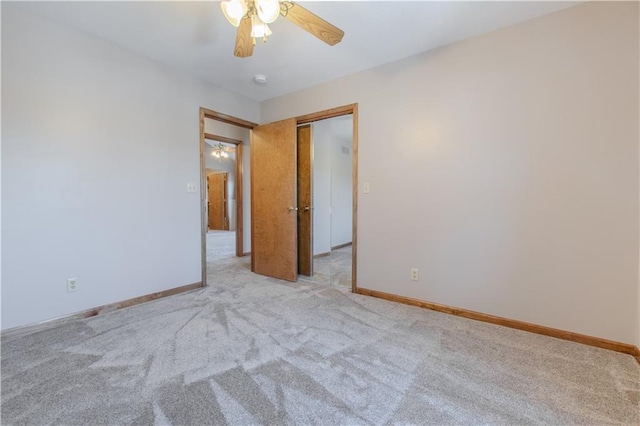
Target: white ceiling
195 37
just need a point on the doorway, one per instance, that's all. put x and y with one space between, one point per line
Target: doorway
218 200
222 142
275 207
274 217
330 185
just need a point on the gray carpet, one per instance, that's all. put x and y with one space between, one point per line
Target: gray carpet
253 350
334 269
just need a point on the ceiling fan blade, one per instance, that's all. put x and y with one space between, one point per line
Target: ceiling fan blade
244 43
313 24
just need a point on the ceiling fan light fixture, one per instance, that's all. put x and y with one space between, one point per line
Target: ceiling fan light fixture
234 10
219 152
259 29
254 23
268 10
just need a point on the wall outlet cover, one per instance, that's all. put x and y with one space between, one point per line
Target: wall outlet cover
414 274
72 285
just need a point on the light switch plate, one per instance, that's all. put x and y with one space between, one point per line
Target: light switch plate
365 188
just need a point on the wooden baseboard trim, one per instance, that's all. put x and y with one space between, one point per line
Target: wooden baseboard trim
339 246
32 328
506 322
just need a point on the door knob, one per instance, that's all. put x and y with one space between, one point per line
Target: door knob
306 208
291 209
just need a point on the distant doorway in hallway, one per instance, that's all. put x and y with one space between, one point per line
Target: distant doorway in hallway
218 200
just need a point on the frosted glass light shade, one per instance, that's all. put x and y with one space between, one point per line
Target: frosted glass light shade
268 10
234 10
258 28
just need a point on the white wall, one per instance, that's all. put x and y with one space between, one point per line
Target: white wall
235 132
321 131
342 183
514 167
98 145
332 187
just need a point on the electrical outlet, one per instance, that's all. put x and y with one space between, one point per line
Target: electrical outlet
72 285
414 274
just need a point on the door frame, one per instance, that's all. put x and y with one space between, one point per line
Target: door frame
228 119
302 119
351 109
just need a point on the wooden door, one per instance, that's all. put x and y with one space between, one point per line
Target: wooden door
273 200
217 205
305 199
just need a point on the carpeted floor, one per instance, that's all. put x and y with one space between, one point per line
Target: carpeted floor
254 350
334 270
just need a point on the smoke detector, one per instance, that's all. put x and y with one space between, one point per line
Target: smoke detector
260 79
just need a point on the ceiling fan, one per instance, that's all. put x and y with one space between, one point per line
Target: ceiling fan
252 17
221 151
